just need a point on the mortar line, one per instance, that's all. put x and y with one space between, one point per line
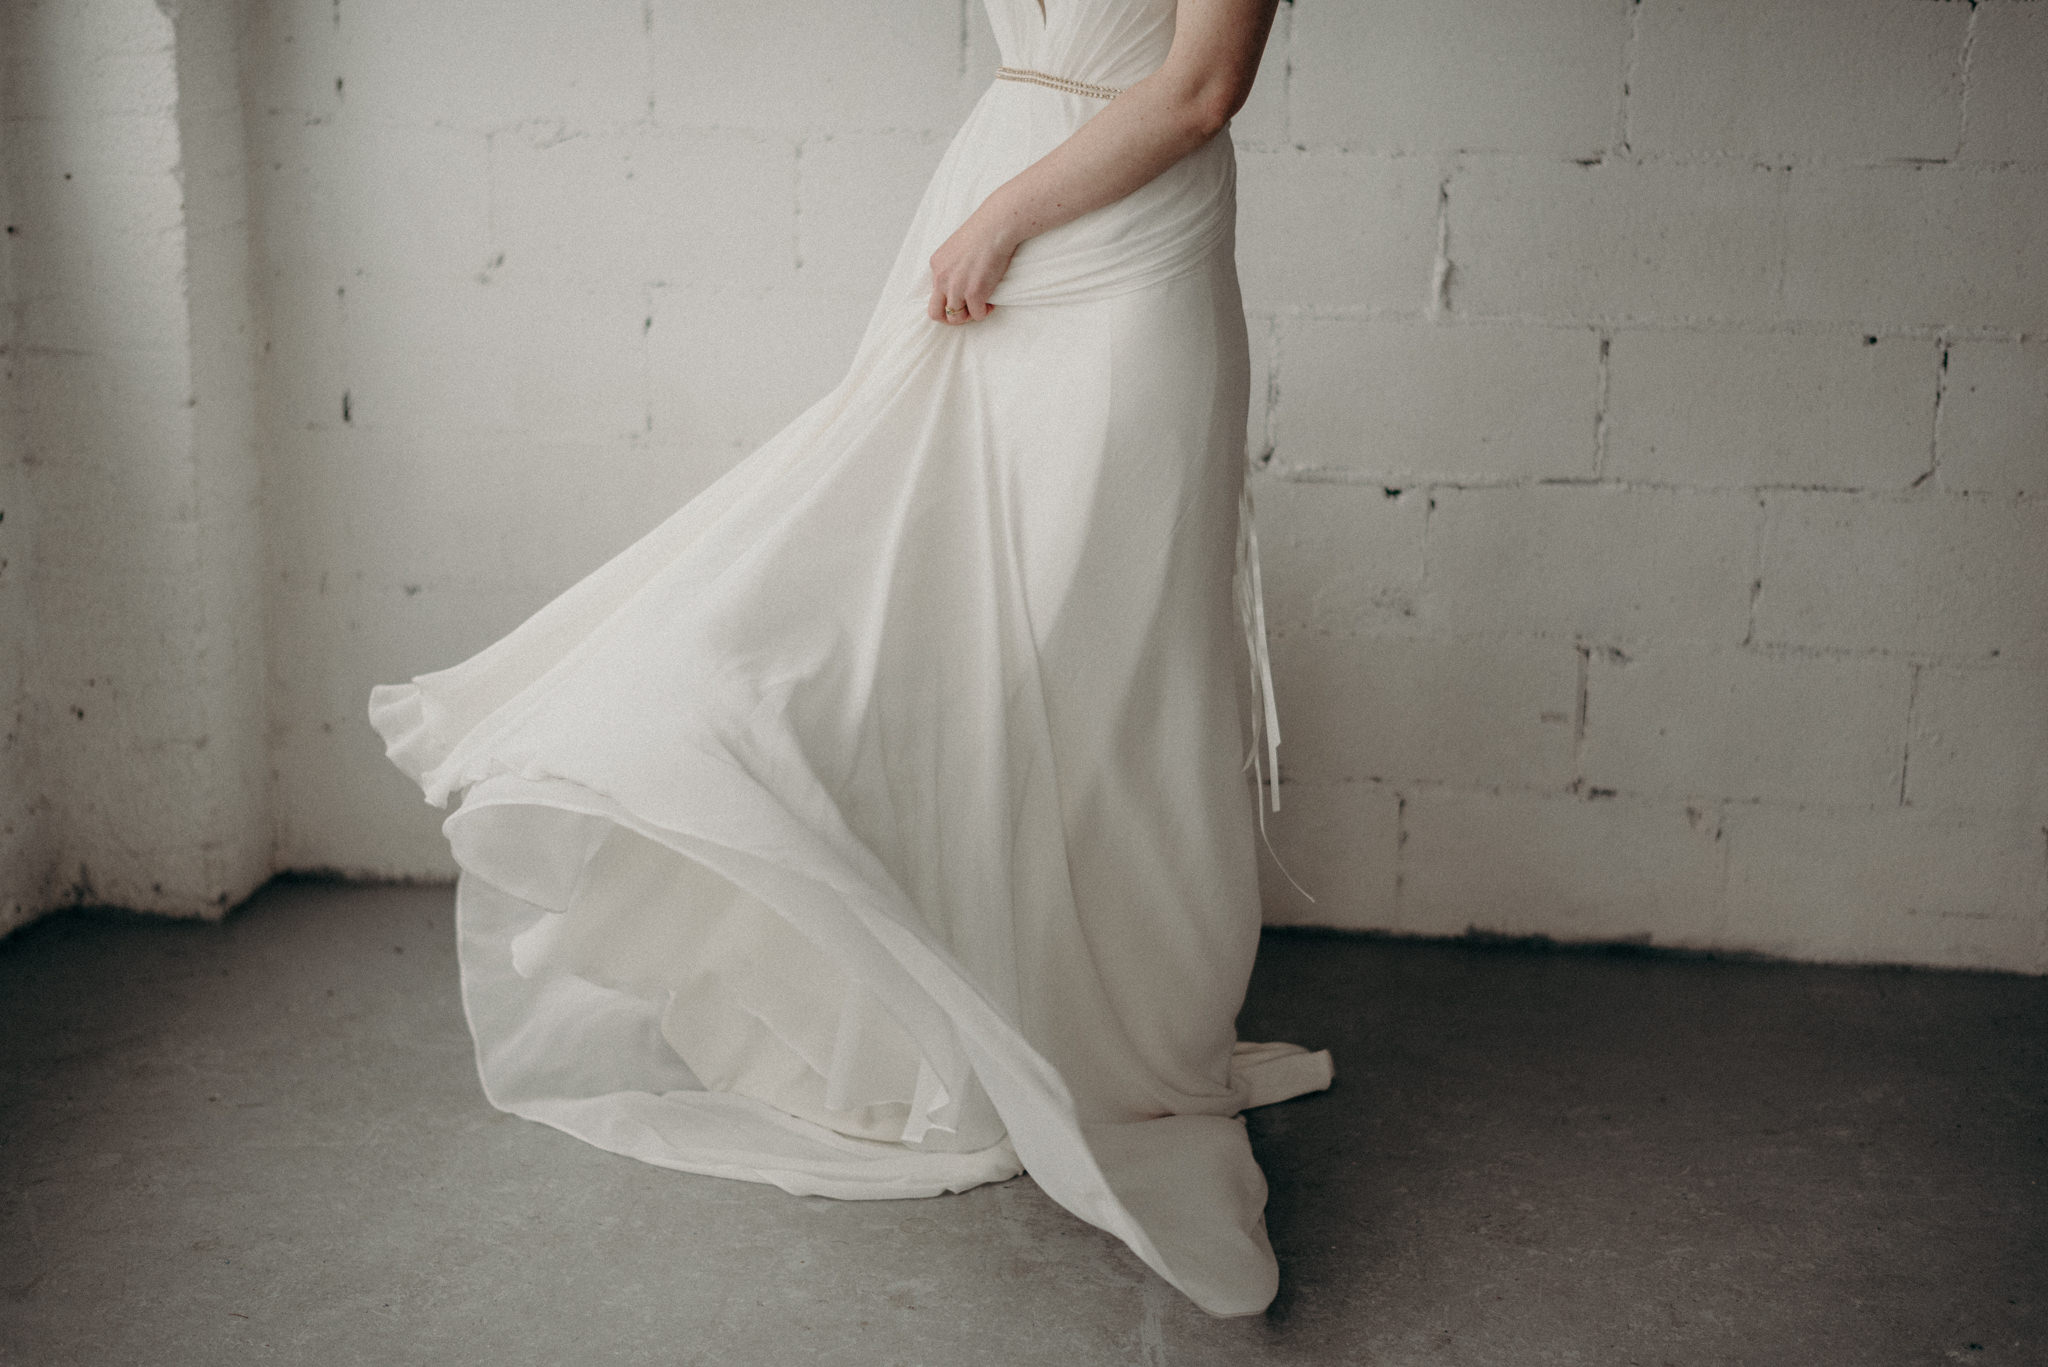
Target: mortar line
1440 268
1781 212
1270 425
1721 866
1624 645
1934 426
1399 909
647 43
796 203
1676 160
1812 326
1287 76
1963 61
1584 651
1600 401
1659 799
1756 568
1432 480
1422 545
646 359
1629 57
1906 744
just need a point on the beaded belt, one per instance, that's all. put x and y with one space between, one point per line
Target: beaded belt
1051 82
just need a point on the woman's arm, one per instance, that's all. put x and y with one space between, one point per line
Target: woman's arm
1153 124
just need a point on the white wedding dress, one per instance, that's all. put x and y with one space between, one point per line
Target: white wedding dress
876 826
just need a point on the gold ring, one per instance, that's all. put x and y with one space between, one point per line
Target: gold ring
950 312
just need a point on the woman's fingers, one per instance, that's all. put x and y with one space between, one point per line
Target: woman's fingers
966 269
951 304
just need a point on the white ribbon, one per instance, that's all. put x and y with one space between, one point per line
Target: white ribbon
1251 611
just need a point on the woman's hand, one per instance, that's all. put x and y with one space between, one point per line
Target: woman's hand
967 266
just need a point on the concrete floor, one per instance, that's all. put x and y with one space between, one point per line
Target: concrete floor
262 1142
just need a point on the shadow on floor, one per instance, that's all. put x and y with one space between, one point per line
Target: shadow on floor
262 1141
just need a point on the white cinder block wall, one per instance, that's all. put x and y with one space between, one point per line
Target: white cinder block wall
24 870
1657 435
132 765
1653 438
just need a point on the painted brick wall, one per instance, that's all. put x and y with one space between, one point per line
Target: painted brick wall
1652 446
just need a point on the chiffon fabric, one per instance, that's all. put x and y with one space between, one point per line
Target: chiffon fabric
876 825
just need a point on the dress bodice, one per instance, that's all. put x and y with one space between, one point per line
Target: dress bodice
1106 42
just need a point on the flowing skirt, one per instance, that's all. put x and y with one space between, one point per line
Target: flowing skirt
876 825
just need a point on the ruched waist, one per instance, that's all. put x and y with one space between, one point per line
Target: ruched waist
1164 227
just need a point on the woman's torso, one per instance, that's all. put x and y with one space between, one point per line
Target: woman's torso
1167 226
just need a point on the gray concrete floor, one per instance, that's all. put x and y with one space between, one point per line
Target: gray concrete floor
262 1142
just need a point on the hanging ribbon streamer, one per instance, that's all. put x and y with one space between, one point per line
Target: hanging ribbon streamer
1251 611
